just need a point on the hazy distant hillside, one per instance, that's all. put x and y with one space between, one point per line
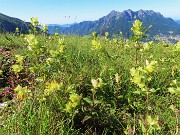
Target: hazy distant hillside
116 22
178 21
9 24
52 27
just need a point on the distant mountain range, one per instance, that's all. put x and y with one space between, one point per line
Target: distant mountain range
58 25
9 24
114 23
52 27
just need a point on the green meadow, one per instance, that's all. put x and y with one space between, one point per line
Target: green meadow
91 85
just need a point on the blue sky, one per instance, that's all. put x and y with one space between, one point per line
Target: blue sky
69 11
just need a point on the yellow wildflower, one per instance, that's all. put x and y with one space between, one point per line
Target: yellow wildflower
153 122
96 83
1 72
19 59
16 68
137 77
150 66
21 92
75 101
96 45
51 87
117 78
69 107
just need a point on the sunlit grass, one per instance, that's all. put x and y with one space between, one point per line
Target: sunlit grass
67 84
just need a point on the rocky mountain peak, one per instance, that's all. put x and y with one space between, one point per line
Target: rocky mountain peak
128 14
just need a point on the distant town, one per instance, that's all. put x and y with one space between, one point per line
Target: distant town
171 39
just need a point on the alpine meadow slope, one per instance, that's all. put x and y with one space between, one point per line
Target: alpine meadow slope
88 85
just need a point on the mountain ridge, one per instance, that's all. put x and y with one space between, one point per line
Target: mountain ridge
116 22
9 24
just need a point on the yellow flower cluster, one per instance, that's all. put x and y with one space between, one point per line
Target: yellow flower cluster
16 68
137 77
19 59
140 75
21 92
74 102
51 87
34 21
96 45
150 66
96 83
32 41
137 28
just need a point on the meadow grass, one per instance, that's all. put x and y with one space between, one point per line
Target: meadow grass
67 84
